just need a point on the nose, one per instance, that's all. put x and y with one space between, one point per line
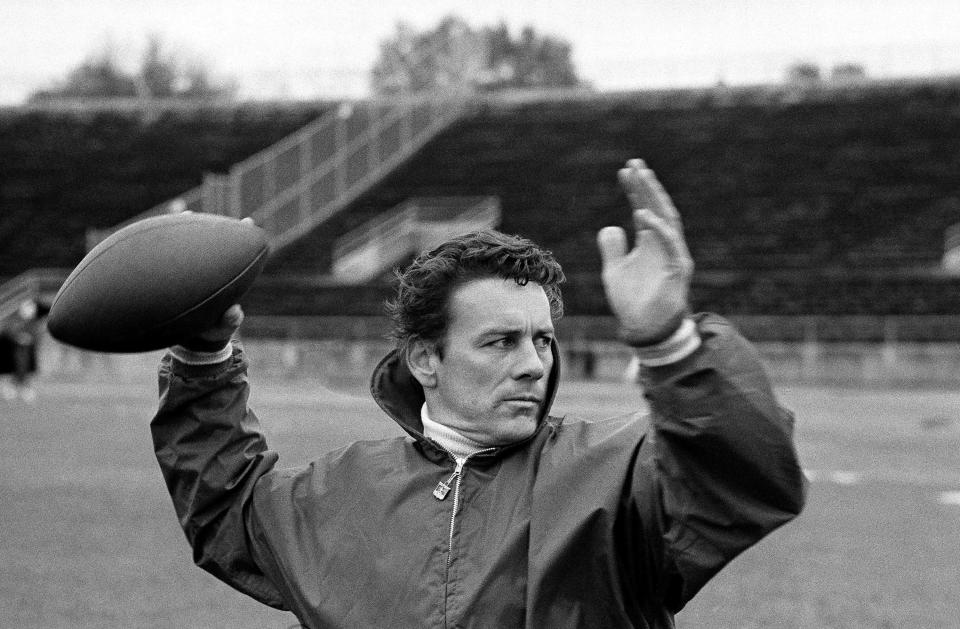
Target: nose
530 361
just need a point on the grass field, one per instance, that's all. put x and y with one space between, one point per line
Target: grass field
88 537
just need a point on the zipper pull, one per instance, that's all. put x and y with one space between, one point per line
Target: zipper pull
443 488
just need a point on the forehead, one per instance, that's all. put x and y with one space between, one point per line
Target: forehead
494 303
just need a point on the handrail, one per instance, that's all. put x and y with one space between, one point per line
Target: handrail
28 285
361 236
388 137
297 183
419 210
414 225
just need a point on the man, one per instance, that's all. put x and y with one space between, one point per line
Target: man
18 351
490 512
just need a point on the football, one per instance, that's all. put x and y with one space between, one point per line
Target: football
157 282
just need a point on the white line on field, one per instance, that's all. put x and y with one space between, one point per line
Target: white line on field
950 498
837 477
848 478
901 477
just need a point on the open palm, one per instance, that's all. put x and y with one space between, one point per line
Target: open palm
647 287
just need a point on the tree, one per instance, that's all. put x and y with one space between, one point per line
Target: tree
160 75
414 61
455 54
848 72
529 61
803 72
158 71
97 76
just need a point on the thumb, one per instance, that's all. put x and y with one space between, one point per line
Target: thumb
612 242
233 317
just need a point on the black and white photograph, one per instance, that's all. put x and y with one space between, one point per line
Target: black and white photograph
318 314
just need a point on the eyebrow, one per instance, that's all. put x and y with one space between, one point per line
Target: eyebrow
506 330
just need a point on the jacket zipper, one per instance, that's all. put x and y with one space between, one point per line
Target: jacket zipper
440 492
458 474
443 489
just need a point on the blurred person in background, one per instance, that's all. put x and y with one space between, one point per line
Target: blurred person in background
487 511
18 347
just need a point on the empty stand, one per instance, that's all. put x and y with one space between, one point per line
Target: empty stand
794 204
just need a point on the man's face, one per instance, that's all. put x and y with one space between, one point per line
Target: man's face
492 379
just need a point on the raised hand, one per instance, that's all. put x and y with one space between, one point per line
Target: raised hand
647 287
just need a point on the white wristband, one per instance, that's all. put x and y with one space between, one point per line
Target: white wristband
191 357
678 346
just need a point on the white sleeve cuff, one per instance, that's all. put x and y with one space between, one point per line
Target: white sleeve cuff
191 357
680 344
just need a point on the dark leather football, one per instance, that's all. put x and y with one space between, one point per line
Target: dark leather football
157 282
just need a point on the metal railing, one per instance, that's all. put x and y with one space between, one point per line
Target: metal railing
32 284
414 225
300 182
294 185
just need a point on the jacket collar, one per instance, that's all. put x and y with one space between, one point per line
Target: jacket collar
400 396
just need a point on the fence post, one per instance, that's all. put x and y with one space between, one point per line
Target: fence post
270 180
212 195
234 200
889 352
340 138
373 138
809 351
306 165
406 123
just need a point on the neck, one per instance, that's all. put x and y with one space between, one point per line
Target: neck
455 443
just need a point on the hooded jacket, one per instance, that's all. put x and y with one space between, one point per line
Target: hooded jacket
613 523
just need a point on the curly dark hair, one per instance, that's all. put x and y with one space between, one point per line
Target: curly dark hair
420 308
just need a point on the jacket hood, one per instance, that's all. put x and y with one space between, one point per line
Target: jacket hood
401 397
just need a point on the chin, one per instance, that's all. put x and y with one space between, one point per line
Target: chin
514 430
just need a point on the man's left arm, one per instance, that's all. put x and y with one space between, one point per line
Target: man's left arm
724 471
719 469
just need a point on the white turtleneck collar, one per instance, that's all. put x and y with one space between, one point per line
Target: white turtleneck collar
449 439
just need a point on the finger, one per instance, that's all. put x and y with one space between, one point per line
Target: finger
662 203
633 186
233 317
248 220
612 242
644 190
672 239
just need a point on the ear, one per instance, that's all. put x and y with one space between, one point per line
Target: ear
422 361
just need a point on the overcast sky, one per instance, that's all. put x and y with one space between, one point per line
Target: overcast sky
323 48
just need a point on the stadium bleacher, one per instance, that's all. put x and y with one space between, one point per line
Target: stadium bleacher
64 171
827 201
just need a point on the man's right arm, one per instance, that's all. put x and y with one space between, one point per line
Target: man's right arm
212 452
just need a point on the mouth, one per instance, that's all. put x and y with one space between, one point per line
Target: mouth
524 399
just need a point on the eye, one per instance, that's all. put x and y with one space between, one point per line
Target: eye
505 342
543 342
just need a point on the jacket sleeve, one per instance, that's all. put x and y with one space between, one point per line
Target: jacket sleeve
212 452
719 469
